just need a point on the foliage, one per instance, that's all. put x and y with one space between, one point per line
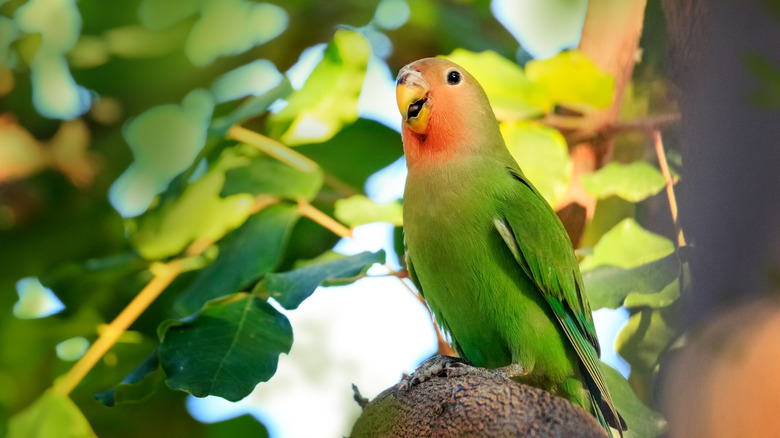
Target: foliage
181 155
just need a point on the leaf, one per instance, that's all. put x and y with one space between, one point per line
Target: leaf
227 349
245 426
627 245
230 27
137 386
571 78
645 336
543 156
609 286
633 182
356 152
328 100
251 107
35 300
254 79
199 213
292 287
512 95
665 297
50 416
358 210
265 175
642 421
245 255
165 140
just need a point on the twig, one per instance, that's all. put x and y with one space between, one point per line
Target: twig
647 124
323 219
164 274
664 165
273 148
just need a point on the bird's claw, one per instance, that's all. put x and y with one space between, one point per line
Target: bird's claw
438 365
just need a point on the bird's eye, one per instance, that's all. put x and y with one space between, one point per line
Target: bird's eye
453 77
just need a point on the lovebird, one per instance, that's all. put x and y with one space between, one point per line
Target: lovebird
485 249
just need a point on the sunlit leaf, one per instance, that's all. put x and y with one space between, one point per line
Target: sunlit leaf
72 349
51 415
141 42
265 175
665 297
245 255
165 140
512 95
608 286
572 79
230 27
199 213
358 210
645 336
292 287
239 339
633 182
543 157
328 99
253 79
162 14
137 386
35 300
642 421
251 107
356 152
627 245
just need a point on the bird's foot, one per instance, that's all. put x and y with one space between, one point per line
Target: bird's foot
439 365
513 370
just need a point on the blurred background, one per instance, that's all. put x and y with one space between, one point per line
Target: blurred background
117 151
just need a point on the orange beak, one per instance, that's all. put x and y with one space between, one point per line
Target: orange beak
411 94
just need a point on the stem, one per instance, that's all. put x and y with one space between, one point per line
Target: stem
164 274
323 219
444 347
273 148
659 150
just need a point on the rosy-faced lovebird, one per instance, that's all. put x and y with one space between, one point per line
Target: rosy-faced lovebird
486 250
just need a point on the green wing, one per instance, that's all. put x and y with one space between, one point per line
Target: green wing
539 243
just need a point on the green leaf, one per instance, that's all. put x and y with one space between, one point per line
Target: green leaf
609 286
50 416
233 344
572 79
230 27
665 297
245 255
251 107
512 95
265 175
627 245
137 386
358 210
642 421
328 100
199 213
245 426
356 152
633 182
292 287
165 140
645 336
543 156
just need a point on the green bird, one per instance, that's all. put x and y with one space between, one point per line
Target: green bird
486 250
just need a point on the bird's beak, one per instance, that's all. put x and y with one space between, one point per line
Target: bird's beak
411 93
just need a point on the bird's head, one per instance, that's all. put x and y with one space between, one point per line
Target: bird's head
444 109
